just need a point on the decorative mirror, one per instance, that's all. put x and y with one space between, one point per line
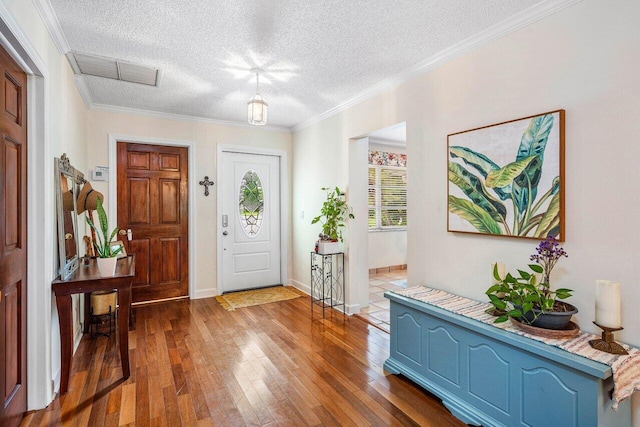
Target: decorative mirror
67 186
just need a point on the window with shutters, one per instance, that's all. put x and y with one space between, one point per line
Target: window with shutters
387 197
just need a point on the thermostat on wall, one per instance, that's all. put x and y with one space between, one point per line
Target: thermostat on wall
100 173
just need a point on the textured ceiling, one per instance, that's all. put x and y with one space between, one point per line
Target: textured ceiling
316 54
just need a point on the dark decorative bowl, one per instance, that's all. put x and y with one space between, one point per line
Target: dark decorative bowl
550 319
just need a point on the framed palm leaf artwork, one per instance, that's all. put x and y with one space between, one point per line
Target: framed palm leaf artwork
507 179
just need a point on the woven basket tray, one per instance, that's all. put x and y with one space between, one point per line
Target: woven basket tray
571 330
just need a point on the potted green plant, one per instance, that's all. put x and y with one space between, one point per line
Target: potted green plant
530 300
107 255
333 215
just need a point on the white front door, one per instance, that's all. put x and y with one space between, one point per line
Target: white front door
249 221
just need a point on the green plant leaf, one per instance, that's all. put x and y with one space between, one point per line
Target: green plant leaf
102 218
524 274
482 164
536 268
492 289
533 143
505 176
550 220
475 215
113 234
501 319
514 313
478 161
534 139
473 188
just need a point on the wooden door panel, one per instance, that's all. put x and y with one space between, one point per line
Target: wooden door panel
169 162
12 195
12 329
139 201
170 253
13 234
12 98
169 201
142 249
153 202
140 161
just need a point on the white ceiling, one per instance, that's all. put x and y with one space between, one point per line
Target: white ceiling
318 55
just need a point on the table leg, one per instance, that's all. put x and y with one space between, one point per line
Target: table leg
130 310
87 312
65 318
124 307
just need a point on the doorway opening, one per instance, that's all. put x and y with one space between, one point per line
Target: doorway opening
386 189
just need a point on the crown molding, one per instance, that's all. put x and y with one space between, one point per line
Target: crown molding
501 29
83 89
180 117
50 20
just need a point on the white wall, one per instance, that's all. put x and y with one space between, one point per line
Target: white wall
583 59
205 138
387 248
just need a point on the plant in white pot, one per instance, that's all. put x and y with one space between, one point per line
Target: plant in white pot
107 255
333 215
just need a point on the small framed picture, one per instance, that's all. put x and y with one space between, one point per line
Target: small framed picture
118 244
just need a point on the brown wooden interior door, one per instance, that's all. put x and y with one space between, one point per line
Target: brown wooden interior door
153 202
13 242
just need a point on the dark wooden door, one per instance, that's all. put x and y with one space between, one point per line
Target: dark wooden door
153 202
13 242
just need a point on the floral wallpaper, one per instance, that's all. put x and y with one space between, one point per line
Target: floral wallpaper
382 158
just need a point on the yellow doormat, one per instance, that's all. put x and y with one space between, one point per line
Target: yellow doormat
234 300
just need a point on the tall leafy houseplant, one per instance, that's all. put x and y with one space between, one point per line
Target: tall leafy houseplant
102 246
333 215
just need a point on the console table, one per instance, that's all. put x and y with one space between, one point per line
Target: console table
327 281
84 280
491 377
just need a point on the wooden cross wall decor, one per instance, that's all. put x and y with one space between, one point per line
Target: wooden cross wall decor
206 184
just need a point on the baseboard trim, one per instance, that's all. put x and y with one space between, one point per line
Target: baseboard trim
301 286
205 293
388 269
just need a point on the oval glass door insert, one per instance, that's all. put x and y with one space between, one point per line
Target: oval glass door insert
251 203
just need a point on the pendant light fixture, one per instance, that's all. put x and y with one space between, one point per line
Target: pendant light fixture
257 106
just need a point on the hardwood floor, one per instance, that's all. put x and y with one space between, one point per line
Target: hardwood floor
195 364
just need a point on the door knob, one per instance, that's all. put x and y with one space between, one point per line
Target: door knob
122 232
224 233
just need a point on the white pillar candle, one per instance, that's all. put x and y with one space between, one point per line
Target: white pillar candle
608 311
501 271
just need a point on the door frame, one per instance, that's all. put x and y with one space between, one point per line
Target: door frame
113 181
40 213
284 203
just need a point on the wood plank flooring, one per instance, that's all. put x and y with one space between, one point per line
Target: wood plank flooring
195 364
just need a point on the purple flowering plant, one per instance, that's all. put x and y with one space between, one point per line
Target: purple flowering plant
516 296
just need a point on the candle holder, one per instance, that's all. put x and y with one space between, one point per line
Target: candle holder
607 343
